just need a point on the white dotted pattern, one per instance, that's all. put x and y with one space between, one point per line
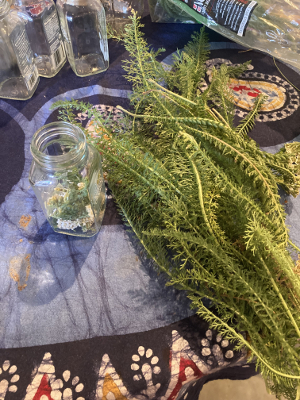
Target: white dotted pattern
5 384
59 392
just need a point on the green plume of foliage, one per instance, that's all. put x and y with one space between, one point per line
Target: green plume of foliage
203 200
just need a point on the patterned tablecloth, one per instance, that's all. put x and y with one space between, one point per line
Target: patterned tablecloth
91 318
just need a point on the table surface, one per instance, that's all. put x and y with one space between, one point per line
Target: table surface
69 302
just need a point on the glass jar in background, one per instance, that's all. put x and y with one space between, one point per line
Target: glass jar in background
67 179
43 30
118 12
83 27
18 73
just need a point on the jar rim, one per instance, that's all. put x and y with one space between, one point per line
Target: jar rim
48 131
76 2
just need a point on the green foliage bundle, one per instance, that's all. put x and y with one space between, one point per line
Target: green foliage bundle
203 200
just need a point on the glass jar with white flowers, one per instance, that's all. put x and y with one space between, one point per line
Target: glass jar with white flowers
67 179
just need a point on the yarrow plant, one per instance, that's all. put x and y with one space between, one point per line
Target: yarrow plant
70 205
203 200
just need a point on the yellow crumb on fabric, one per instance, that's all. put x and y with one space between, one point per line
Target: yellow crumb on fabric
18 267
24 221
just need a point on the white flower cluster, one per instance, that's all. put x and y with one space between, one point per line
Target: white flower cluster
84 223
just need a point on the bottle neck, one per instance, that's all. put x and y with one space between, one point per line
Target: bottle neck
4 8
58 146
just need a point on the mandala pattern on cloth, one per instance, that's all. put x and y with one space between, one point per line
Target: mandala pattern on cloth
105 110
282 100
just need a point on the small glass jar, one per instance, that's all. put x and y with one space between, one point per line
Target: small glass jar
67 179
83 26
118 12
18 73
43 30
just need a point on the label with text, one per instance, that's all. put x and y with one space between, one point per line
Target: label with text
24 55
232 14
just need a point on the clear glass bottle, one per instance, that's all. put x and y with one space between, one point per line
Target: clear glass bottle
67 179
118 11
18 73
43 30
83 27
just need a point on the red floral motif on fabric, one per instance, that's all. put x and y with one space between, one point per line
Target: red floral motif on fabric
184 363
250 92
44 389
